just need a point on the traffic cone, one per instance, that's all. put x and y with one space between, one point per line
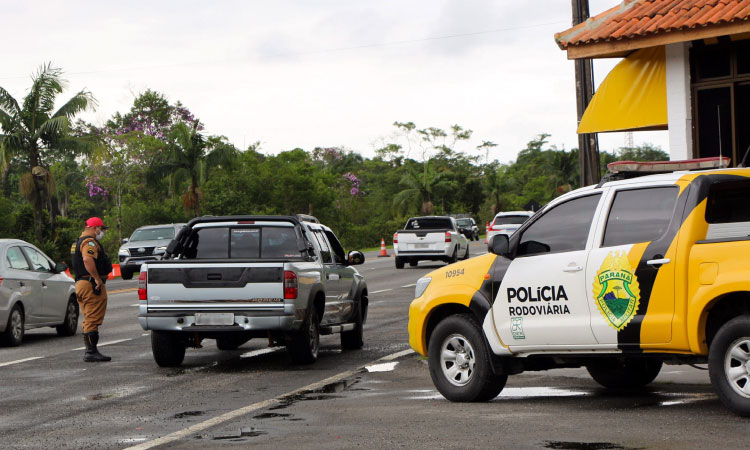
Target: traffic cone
382 249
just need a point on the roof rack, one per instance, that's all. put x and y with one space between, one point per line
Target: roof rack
622 170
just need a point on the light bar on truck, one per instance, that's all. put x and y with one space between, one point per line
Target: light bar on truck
717 162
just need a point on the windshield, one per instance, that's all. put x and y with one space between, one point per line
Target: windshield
514 220
429 223
152 234
463 222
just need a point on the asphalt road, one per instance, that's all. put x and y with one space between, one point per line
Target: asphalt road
255 396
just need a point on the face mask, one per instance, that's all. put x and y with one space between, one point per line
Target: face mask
99 235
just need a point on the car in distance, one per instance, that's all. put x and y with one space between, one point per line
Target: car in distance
429 238
147 243
34 293
618 278
282 278
507 222
468 227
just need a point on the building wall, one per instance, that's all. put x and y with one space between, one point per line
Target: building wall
679 116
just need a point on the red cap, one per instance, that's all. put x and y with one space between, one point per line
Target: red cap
95 222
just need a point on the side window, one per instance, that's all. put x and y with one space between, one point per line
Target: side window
728 210
639 215
338 250
39 262
211 243
563 228
16 260
325 251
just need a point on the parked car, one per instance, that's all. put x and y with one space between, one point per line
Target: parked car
283 278
147 243
507 222
619 278
429 238
468 227
34 292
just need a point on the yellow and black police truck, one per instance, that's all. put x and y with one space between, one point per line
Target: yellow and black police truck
619 278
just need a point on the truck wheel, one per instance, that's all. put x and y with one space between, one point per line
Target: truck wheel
454 257
627 373
126 274
729 365
399 263
13 334
70 322
304 345
230 342
459 361
168 348
354 340
466 256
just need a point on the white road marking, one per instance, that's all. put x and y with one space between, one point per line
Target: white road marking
136 305
260 405
409 285
20 361
105 343
382 290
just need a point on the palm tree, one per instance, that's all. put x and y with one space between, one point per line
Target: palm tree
33 132
420 188
190 155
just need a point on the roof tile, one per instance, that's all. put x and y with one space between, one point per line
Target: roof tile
633 18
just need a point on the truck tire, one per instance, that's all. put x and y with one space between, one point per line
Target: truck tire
304 345
354 340
454 257
168 348
230 342
413 263
466 255
14 329
459 361
399 263
126 274
70 322
624 373
729 364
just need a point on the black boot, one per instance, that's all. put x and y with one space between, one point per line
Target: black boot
92 354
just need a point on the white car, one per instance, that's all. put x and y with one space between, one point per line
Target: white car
429 238
507 223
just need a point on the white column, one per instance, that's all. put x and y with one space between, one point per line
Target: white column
679 106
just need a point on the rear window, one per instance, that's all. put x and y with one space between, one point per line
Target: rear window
244 243
153 234
512 220
464 222
429 223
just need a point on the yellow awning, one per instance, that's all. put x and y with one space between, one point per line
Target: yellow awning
632 97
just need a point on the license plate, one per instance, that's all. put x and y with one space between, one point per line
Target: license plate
214 318
421 245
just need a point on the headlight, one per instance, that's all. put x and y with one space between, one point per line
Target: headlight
162 249
422 284
124 251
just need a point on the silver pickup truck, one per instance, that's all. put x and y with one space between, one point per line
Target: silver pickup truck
429 238
283 278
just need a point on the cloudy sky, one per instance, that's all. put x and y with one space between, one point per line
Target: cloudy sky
317 73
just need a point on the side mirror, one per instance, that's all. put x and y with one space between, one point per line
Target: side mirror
61 267
499 245
125 240
355 258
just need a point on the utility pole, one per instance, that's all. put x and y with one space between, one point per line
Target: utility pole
588 148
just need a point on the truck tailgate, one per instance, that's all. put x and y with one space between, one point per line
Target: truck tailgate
425 240
215 285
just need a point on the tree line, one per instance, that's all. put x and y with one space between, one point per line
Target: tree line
154 164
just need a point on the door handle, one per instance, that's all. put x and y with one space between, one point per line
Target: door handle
573 269
658 262
44 285
21 283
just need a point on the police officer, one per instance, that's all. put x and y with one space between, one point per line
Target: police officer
92 266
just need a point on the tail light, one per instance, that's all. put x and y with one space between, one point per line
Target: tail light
290 285
142 285
447 237
493 227
395 238
1 281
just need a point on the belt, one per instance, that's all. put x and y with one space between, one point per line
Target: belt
90 278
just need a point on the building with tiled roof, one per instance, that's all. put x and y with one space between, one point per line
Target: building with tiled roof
686 68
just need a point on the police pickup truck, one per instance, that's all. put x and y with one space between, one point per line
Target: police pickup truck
234 278
619 278
429 238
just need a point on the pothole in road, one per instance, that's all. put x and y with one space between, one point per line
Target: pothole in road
323 393
556 445
182 415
